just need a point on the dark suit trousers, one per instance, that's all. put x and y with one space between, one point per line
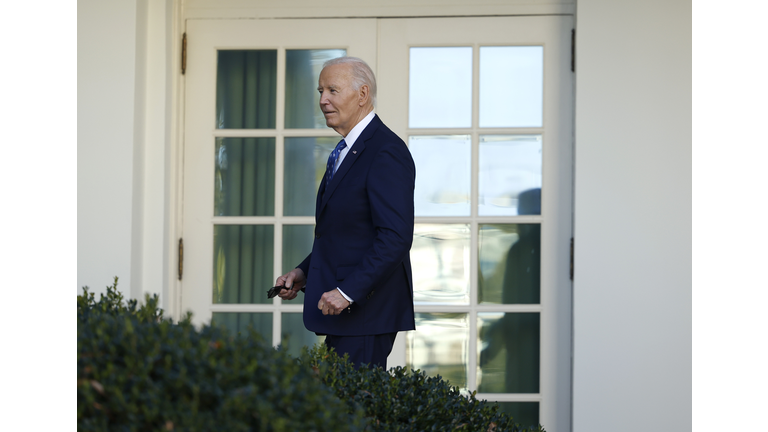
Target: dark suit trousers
371 350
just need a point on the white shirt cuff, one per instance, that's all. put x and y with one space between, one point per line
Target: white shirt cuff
345 296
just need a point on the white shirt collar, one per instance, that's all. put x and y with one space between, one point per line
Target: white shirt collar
351 137
354 134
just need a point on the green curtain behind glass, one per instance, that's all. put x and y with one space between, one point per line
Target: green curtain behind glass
246 93
243 263
300 88
246 89
244 177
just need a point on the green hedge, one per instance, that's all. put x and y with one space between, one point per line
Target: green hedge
403 400
137 371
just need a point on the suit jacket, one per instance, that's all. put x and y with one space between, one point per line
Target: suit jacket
363 236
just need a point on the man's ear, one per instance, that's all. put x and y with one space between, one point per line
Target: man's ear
363 95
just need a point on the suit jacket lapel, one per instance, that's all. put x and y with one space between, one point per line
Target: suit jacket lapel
349 160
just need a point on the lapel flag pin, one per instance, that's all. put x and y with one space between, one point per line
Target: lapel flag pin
354 151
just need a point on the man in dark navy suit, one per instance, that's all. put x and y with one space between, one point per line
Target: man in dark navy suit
357 279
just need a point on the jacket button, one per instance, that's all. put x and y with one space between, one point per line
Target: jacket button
317 236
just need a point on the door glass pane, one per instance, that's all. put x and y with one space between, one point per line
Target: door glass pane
244 177
523 413
238 322
510 263
510 175
246 89
440 90
440 261
440 346
302 101
242 263
305 160
511 86
508 357
297 244
297 335
443 180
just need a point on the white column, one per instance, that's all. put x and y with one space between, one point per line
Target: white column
632 285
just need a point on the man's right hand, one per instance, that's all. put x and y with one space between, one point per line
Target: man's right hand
293 281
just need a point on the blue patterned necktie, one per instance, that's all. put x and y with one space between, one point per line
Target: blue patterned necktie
332 160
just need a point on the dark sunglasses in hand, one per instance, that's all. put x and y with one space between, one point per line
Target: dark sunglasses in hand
275 291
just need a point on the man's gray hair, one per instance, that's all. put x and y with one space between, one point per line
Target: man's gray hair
361 73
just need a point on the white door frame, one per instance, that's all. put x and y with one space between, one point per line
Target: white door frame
563 110
554 33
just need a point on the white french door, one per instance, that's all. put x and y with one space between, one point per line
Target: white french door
252 138
485 105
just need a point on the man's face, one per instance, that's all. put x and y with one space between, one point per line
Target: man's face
341 104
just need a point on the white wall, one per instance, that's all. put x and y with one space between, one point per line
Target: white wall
370 8
632 285
152 246
124 129
106 78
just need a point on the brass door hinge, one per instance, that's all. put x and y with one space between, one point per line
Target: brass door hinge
184 54
573 50
181 258
571 258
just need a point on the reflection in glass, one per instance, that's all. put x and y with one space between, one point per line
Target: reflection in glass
238 322
440 261
509 166
242 263
508 351
246 89
244 177
305 160
294 335
440 92
440 346
297 244
302 101
523 413
510 263
443 167
511 86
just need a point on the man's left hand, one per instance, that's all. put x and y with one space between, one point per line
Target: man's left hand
332 302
